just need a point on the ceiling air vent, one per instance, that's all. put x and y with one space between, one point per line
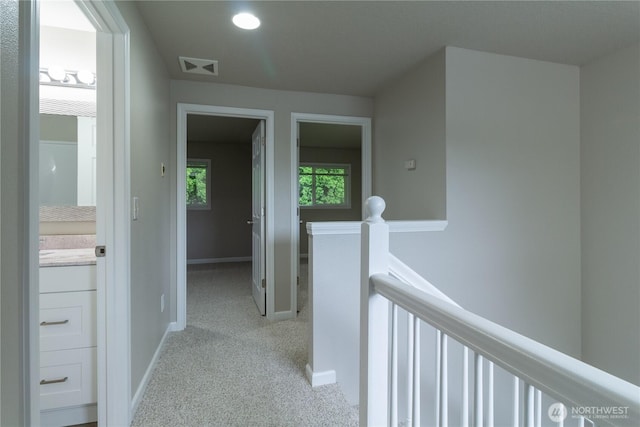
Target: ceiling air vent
208 67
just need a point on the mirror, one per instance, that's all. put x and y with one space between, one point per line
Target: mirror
67 160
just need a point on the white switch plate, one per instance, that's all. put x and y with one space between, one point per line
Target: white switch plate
136 208
410 164
162 169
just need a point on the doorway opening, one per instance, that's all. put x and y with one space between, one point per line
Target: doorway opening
79 203
225 195
331 174
68 232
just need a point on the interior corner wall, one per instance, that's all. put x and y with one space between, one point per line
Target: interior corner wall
511 251
150 233
610 197
282 103
410 124
222 231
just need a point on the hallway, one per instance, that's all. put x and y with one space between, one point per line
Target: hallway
232 367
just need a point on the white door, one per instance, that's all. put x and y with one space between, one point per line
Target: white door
297 219
257 220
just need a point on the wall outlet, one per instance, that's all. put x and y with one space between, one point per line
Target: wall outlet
162 303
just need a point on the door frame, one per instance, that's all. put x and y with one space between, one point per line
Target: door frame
365 152
112 298
183 110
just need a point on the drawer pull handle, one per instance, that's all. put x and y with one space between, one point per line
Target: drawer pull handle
61 322
59 380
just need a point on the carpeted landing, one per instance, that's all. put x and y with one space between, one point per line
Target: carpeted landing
232 367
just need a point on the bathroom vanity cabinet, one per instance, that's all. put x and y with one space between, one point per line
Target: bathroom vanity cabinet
68 386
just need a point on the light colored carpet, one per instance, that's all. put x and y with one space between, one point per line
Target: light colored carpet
232 367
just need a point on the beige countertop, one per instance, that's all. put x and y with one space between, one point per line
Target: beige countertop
67 257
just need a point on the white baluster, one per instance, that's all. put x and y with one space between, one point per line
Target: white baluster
477 397
438 367
394 365
465 387
410 367
490 392
538 408
416 372
444 382
529 403
410 344
516 402
374 319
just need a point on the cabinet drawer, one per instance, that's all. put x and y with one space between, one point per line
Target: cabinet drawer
67 320
68 278
67 378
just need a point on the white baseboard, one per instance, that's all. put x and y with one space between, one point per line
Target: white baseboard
316 379
147 375
219 260
284 315
69 416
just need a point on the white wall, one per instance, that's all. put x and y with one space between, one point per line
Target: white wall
610 195
150 275
410 122
283 103
334 301
13 215
53 52
222 231
511 252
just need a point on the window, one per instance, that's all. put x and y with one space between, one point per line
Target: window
324 185
198 184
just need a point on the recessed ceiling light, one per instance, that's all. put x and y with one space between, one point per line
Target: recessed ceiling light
246 21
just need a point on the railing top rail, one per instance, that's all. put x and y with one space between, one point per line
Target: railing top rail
560 376
406 274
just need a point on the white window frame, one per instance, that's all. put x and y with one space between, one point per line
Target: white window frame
206 163
347 185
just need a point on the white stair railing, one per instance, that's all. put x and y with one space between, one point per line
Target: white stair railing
584 394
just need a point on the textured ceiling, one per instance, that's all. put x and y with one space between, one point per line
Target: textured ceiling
356 47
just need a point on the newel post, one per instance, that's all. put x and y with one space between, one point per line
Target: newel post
374 319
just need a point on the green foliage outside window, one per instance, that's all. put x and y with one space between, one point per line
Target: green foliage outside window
324 185
198 182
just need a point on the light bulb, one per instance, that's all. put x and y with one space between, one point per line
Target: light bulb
246 21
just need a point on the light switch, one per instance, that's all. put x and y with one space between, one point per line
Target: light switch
136 208
162 169
410 164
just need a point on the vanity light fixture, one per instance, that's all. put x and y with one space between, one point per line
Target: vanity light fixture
246 21
86 77
58 76
57 73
